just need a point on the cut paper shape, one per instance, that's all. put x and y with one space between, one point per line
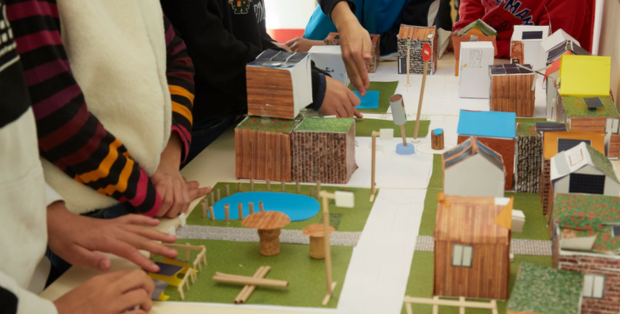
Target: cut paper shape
297 207
487 124
166 269
593 102
345 199
585 75
172 230
183 219
158 292
371 101
438 131
386 134
504 218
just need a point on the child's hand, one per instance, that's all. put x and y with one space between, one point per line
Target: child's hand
111 293
339 100
302 44
75 238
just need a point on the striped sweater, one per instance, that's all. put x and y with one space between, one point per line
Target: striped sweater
70 136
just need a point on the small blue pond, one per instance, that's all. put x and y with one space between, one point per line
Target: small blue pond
297 207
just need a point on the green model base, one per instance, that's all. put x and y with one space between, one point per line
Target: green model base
364 127
386 90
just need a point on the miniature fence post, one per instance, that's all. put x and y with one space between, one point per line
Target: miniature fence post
436 306
260 205
318 188
251 208
211 213
373 165
240 211
204 207
226 212
212 199
462 308
251 184
218 195
461 304
239 187
268 185
187 254
283 186
227 190
298 187
311 192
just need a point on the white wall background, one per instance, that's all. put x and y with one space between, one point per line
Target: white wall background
610 43
288 13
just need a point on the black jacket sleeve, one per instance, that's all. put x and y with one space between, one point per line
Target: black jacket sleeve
414 13
328 5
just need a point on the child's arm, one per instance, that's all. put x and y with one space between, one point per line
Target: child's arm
17 300
414 13
71 137
469 11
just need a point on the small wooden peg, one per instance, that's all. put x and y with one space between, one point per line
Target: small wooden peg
226 212
204 207
298 187
251 208
211 212
218 195
227 190
240 211
260 206
283 186
239 187
268 185
251 184
212 197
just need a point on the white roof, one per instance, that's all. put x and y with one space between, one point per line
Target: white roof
569 161
517 35
556 38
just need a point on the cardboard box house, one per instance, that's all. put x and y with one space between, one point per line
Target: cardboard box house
528 158
557 142
583 170
476 57
595 114
329 59
496 130
476 31
373 64
323 149
587 240
511 89
585 76
553 44
279 84
263 148
472 252
473 169
415 37
525 45
545 290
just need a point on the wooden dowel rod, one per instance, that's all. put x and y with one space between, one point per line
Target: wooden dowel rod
251 281
187 255
240 211
218 195
211 212
311 192
227 190
212 199
204 207
251 288
260 206
239 187
373 165
318 188
403 135
251 208
246 287
408 60
251 184
226 212
417 118
298 187
268 185
283 186
328 255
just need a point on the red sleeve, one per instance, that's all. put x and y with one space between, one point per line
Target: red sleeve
469 11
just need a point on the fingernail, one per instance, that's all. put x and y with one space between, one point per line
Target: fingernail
104 264
155 268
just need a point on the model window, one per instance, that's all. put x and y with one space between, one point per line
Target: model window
462 255
586 183
593 286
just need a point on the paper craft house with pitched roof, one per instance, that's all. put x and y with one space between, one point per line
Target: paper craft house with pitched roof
525 45
323 149
472 252
557 142
587 240
529 155
545 290
583 170
473 169
511 89
418 36
476 31
496 130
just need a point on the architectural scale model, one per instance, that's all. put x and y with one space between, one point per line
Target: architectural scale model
371 66
477 30
529 158
417 36
511 89
526 46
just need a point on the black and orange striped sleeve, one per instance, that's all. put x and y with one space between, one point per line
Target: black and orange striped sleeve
180 75
71 137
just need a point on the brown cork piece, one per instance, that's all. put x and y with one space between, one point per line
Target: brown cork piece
268 224
437 141
317 243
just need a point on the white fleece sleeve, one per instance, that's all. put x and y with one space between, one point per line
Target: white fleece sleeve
22 301
51 195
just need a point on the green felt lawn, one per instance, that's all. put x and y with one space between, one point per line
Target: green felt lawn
274 125
420 282
351 219
306 276
331 125
364 127
386 90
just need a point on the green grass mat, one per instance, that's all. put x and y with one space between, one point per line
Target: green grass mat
352 219
342 125
421 282
386 90
306 276
534 120
364 127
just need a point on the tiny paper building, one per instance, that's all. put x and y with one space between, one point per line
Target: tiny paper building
557 142
473 169
263 148
279 84
511 89
528 158
476 57
556 45
585 76
472 253
525 45
418 35
323 149
476 31
545 290
584 170
496 130
587 240
371 66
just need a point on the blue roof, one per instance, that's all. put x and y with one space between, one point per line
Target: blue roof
487 124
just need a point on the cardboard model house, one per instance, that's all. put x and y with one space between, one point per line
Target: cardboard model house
415 37
495 130
473 169
590 246
323 149
476 57
476 31
263 148
528 158
595 114
526 47
329 59
511 89
545 290
556 40
279 84
585 76
373 64
557 142
583 170
472 252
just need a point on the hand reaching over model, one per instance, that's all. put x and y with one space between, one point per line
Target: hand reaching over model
339 100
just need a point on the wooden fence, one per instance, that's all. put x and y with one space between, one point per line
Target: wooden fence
460 303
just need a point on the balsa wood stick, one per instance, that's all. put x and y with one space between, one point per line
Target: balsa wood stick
373 165
251 208
219 277
328 255
211 212
426 56
246 287
226 212
251 288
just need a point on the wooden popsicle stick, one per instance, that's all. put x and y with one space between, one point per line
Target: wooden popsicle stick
211 213
250 281
240 211
251 208
251 288
226 212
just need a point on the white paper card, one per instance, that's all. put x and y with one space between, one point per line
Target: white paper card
474 62
386 134
345 199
